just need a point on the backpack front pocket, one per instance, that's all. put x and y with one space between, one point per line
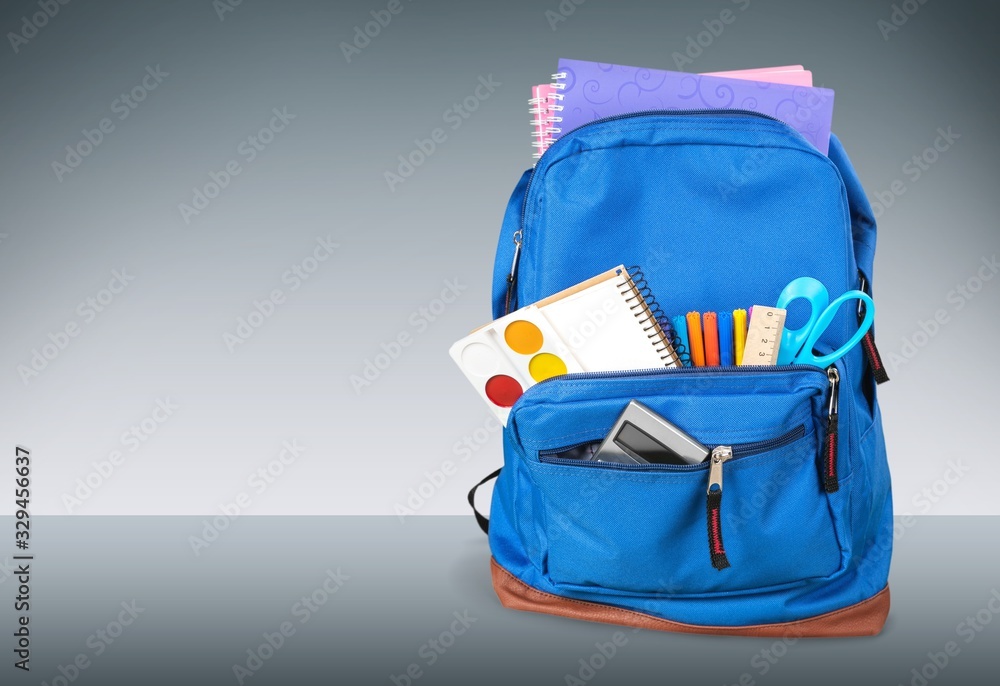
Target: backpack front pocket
758 518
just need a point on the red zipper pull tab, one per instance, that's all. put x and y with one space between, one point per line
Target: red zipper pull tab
831 483
715 547
874 359
868 342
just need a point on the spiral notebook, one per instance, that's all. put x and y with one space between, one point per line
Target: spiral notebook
791 75
544 117
605 324
546 104
583 92
611 323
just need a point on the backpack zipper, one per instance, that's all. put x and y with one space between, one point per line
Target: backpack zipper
868 342
654 372
511 302
831 482
720 455
739 451
519 234
723 453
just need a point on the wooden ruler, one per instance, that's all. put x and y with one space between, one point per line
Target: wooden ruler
764 335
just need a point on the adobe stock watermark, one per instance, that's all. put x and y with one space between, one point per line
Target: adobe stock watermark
968 630
303 610
899 15
121 107
925 500
594 323
435 648
590 493
365 33
604 652
955 470
914 169
765 659
758 159
563 11
766 492
294 278
956 300
698 43
248 150
43 355
453 117
32 24
6 569
372 368
258 483
97 643
435 480
224 7
131 440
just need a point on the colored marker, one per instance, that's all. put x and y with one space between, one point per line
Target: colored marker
726 339
739 334
710 327
695 339
681 330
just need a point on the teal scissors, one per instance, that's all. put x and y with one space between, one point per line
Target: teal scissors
797 344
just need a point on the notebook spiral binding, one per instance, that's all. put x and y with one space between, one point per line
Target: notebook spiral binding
545 108
650 315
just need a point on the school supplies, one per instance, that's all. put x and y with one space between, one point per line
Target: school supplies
695 339
764 335
546 101
710 332
605 324
544 117
739 335
610 323
505 358
726 357
682 345
591 91
647 187
793 75
546 105
797 344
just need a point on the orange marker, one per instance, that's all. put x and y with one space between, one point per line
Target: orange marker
711 336
695 340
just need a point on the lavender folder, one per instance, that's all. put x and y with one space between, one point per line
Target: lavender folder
594 90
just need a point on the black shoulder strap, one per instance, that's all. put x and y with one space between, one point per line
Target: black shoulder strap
484 522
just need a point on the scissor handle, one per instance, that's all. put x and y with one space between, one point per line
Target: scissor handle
793 340
805 356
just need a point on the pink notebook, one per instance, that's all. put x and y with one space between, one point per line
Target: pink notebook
545 107
544 120
793 75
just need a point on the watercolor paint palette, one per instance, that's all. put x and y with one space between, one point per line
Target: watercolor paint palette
508 356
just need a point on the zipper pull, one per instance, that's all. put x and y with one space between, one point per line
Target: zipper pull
720 455
512 277
830 442
868 342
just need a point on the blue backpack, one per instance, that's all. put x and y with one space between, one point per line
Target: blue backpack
721 209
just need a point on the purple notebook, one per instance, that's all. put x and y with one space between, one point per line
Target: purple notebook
594 90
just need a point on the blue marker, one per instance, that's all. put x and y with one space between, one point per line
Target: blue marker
726 356
681 330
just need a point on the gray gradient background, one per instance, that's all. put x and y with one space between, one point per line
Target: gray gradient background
202 614
323 176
